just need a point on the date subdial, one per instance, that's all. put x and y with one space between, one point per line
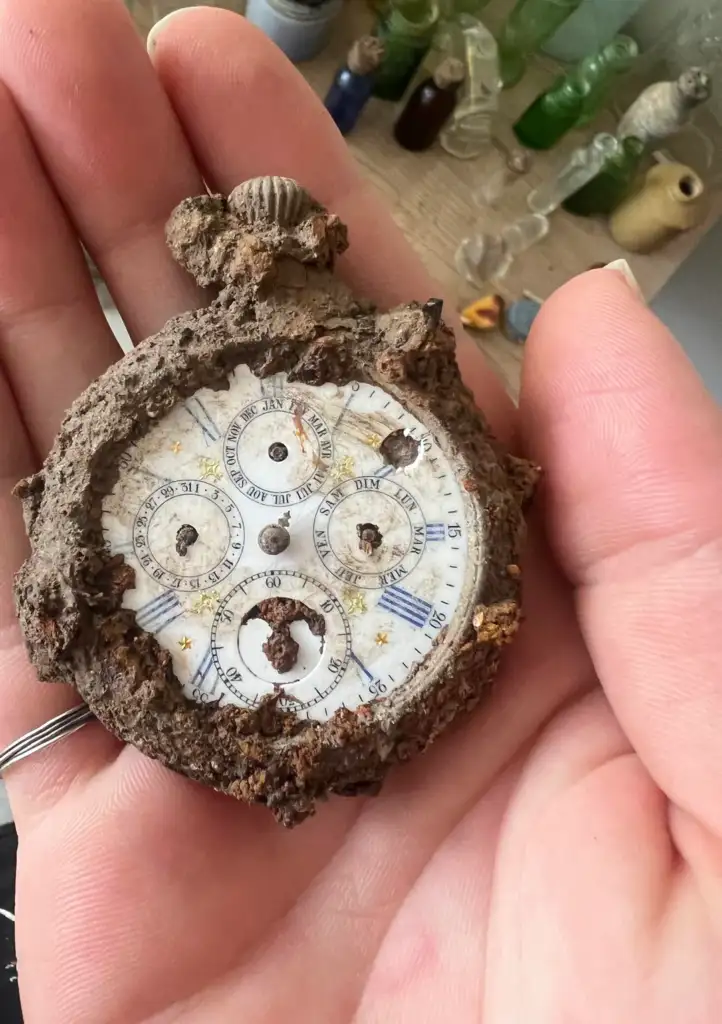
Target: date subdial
188 535
369 532
281 632
278 451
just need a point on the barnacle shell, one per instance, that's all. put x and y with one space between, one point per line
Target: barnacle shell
271 200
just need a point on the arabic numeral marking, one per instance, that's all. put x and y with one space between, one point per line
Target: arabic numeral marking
453 530
377 688
273 581
335 665
437 620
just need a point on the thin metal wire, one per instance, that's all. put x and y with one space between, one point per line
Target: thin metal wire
56 729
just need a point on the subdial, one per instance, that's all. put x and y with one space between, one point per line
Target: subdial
278 451
369 532
188 535
284 633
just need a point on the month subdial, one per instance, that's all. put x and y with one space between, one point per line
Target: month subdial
278 451
188 535
370 532
281 633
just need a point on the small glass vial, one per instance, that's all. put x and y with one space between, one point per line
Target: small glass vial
406 29
607 189
429 107
353 83
485 257
551 115
584 164
469 132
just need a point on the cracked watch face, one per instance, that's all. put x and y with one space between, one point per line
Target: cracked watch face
308 543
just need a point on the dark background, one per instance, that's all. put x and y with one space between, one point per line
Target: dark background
9 997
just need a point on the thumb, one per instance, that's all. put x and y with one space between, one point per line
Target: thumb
631 445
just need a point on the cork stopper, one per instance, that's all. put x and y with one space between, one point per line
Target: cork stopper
449 72
365 55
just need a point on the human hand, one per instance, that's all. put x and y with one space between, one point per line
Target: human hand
558 856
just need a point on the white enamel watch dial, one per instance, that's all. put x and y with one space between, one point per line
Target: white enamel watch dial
307 542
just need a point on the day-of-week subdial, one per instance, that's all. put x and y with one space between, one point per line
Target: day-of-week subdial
281 632
370 532
277 450
188 535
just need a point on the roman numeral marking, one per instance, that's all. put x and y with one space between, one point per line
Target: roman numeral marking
435 531
195 408
200 674
155 615
406 605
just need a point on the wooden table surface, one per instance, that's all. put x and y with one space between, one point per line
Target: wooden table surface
431 196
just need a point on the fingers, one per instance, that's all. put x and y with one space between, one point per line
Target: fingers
247 111
631 444
26 703
110 143
54 338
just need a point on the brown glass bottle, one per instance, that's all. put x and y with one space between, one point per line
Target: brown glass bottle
429 107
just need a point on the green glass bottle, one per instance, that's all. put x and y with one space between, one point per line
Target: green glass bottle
406 28
599 72
529 25
613 183
551 115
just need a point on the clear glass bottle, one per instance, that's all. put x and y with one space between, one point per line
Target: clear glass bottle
593 25
406 28
584 164
469 130
485 257
499 174
352 83
552 114
529 24
607 189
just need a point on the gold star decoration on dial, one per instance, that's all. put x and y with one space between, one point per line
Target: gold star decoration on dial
382 639
206 602
176 447
210 469
355 601
185 643
373 441
343 469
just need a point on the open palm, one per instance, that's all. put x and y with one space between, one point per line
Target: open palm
556 858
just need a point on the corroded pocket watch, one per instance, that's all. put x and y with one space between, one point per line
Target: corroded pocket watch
275 546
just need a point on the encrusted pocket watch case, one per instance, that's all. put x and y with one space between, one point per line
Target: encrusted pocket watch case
275 546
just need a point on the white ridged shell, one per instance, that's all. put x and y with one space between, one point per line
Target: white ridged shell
272 200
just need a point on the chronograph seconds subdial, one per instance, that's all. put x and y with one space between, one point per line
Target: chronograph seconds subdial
281 633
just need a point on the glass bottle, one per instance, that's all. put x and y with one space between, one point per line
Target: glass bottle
468 133
594 24
551 115
529 24
406 28
607 189
429 106
301 30
500 174
600 70
352 84
584 164
485 257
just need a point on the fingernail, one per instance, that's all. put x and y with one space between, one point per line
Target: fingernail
154 34
626 271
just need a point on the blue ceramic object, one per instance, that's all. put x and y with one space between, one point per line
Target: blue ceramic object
518 318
